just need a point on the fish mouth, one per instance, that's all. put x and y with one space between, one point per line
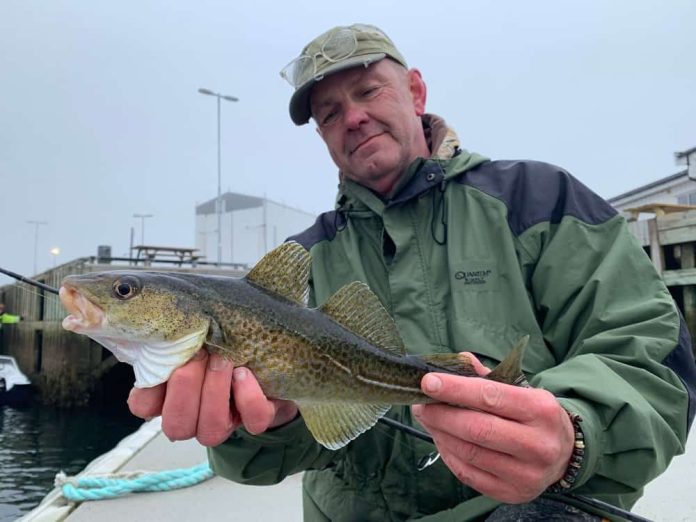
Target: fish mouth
84 315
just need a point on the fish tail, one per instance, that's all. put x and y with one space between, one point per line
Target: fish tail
509 371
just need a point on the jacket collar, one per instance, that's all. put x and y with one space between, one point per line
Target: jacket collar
447 160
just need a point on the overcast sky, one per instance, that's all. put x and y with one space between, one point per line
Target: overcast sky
100 117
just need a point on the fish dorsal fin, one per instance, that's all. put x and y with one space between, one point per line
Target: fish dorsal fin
457 363
358 309
334 425
284 271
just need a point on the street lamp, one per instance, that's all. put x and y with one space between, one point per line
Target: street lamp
142 225
36 224
218 201
55 252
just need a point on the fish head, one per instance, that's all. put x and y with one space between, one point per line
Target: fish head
150 320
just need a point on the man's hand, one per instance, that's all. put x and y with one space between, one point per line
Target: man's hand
208 399
506 442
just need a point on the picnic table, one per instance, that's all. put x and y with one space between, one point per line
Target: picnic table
149 253
659 209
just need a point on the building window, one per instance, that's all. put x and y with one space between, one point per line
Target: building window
687 199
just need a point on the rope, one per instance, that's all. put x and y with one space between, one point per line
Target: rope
99 487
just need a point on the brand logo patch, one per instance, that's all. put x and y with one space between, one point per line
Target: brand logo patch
476 275
473 277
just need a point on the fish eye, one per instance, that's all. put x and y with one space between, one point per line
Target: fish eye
126 287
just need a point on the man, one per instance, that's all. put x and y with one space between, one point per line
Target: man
466 253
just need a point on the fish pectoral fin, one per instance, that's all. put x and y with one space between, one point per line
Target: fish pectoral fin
357 308
284 271
509 371
457 363
334 425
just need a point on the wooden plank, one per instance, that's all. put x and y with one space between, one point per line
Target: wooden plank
686 255
677 235
682 219
640 230
683 277
688 262
655 248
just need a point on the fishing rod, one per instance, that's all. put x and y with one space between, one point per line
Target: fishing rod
29 281
580 499
413 432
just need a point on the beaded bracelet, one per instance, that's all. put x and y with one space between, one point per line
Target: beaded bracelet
566 482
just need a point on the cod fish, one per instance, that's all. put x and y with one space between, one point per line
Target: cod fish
343 364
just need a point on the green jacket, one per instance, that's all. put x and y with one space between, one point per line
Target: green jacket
471 254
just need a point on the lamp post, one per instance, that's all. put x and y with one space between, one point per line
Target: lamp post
218 201
36 224
55 252
142 225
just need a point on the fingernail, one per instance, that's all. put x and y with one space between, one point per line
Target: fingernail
217 363
240 374
431 383
200 354
417 409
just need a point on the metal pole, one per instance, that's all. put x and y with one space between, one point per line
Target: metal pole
142 225
36 224
218 200
36 246
130 252
219 191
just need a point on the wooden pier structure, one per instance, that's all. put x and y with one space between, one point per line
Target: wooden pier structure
669 238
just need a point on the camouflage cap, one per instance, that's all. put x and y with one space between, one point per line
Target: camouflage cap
335 50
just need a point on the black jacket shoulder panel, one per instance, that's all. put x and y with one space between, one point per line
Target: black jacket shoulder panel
681 361
535 192
324 229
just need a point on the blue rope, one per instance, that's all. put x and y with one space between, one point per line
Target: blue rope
103 487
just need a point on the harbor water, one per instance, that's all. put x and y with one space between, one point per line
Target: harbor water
38 441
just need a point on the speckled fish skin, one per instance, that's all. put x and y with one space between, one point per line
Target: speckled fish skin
299 353
344 363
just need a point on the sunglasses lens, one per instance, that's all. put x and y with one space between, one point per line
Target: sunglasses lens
339 46
297 71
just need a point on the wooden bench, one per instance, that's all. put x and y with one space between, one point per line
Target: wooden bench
149 253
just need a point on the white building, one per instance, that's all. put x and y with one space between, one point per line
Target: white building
251 226
677 189
675 193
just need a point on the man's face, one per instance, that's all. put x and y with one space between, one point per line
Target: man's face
369 119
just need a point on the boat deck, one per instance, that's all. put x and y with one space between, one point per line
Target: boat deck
215 499
668 498
209 500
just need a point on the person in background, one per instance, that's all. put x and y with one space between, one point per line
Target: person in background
7 318
465 253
